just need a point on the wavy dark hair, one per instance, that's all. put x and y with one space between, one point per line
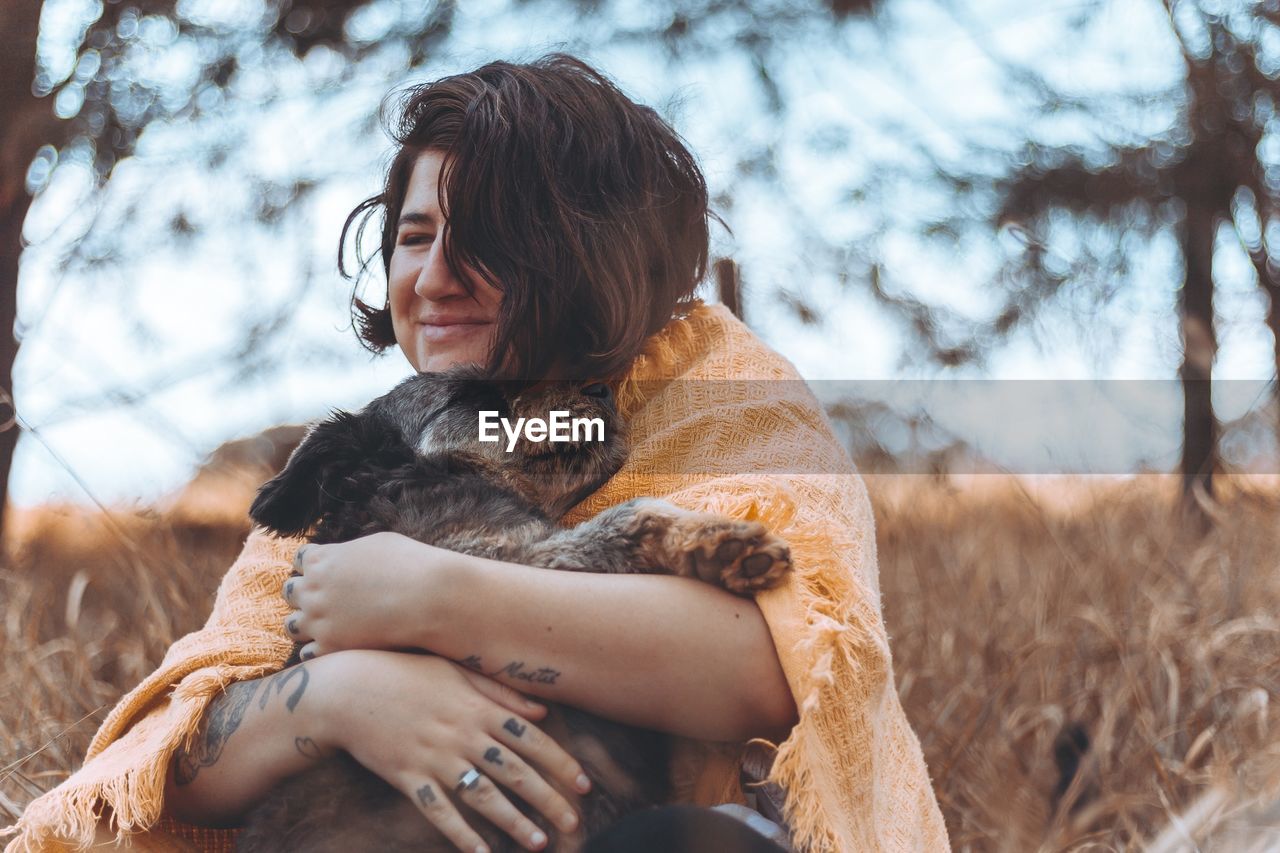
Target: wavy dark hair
583 207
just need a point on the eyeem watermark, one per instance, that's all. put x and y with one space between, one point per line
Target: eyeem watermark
558 427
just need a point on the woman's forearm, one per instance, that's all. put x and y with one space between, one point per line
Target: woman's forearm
253 735
667 653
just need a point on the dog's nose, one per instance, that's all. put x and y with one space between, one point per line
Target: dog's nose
596 389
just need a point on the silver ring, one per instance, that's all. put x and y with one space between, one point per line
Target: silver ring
468 781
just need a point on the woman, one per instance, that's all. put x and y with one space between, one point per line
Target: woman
539 222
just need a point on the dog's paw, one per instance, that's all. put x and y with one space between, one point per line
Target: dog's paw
741 556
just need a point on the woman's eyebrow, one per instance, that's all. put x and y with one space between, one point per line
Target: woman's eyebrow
415 219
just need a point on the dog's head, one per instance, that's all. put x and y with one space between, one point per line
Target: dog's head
559 443
342 458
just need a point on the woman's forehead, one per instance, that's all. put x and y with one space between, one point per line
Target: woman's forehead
422 194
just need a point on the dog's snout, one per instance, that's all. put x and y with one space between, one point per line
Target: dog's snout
596 389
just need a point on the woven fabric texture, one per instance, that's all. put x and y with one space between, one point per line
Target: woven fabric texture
719 423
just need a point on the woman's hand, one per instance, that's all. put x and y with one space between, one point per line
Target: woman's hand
368 593
421 723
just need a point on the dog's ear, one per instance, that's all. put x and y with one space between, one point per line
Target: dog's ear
321 470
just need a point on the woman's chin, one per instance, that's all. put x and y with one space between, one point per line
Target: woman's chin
437 355
436 362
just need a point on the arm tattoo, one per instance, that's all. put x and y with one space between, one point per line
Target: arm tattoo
308 747
279 680
221 719
514 726
493 755
516 670
226 712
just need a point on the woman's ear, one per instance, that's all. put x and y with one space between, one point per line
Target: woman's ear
290 502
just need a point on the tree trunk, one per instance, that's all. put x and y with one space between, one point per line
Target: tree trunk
29 123
1273 323
729 285
12 215
1195 308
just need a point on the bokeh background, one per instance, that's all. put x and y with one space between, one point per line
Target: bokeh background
915 189
1035 198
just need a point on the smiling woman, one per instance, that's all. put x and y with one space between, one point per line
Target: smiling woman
440 318
542 199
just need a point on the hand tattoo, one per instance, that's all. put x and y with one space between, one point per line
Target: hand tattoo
426 796
493 755
513 725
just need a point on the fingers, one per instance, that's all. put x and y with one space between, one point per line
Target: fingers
486 798
534 744
508 697
436 806
507 768
481 794
290 590
294 626
296 630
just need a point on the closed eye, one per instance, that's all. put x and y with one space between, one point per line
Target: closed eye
416 239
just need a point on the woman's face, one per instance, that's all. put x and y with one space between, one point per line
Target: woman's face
437 323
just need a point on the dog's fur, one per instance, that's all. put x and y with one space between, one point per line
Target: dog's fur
411 462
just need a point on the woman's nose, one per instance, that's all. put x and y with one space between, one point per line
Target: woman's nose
435 279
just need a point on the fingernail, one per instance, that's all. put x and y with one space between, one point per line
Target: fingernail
584 784
537 839
480 848
568 821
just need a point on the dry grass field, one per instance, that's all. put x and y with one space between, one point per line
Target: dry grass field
1025 618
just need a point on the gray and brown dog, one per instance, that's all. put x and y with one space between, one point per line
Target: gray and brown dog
412 462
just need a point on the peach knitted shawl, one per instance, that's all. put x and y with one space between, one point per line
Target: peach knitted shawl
720 423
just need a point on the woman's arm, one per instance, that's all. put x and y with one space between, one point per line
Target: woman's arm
412 719
667 653
253 735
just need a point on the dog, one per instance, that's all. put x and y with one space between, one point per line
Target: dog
412 462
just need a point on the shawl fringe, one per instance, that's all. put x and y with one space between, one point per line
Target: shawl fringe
133 799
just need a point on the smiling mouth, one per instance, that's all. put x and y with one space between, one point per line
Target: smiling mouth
449 330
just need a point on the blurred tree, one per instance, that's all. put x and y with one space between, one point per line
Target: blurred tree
28 124
101 103
1208 170
1216 165
96 106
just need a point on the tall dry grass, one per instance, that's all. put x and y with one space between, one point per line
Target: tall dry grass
1016 614
1020 614
90 602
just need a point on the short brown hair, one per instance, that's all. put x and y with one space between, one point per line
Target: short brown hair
583 207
